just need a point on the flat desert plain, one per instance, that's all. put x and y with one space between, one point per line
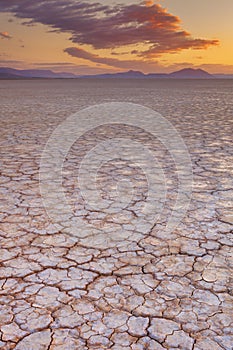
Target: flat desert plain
132 287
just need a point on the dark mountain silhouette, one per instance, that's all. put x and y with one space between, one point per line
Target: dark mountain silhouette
12 73
129 74
187 73
190 73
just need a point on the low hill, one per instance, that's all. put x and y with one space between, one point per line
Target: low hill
190 73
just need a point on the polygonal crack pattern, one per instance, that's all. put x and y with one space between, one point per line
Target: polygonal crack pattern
158 291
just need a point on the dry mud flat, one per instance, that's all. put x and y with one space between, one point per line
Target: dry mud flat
148 291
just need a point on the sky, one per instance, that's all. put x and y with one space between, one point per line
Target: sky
96 36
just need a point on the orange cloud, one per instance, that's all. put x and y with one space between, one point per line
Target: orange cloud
109 27
149 3
5 35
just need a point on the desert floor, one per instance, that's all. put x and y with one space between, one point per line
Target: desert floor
142 290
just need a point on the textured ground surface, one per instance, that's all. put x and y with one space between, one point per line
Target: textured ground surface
154 291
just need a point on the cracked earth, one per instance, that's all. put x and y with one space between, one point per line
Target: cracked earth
150 290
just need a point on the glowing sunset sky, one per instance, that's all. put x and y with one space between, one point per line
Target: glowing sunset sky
108 36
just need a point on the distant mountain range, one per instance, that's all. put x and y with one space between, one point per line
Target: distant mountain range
187 73
11 73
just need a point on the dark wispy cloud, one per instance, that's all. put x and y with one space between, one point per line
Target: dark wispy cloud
67 64
5 35
10 63
81 53
112 62
109 27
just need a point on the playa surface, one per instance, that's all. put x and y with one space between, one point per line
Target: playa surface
155 290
